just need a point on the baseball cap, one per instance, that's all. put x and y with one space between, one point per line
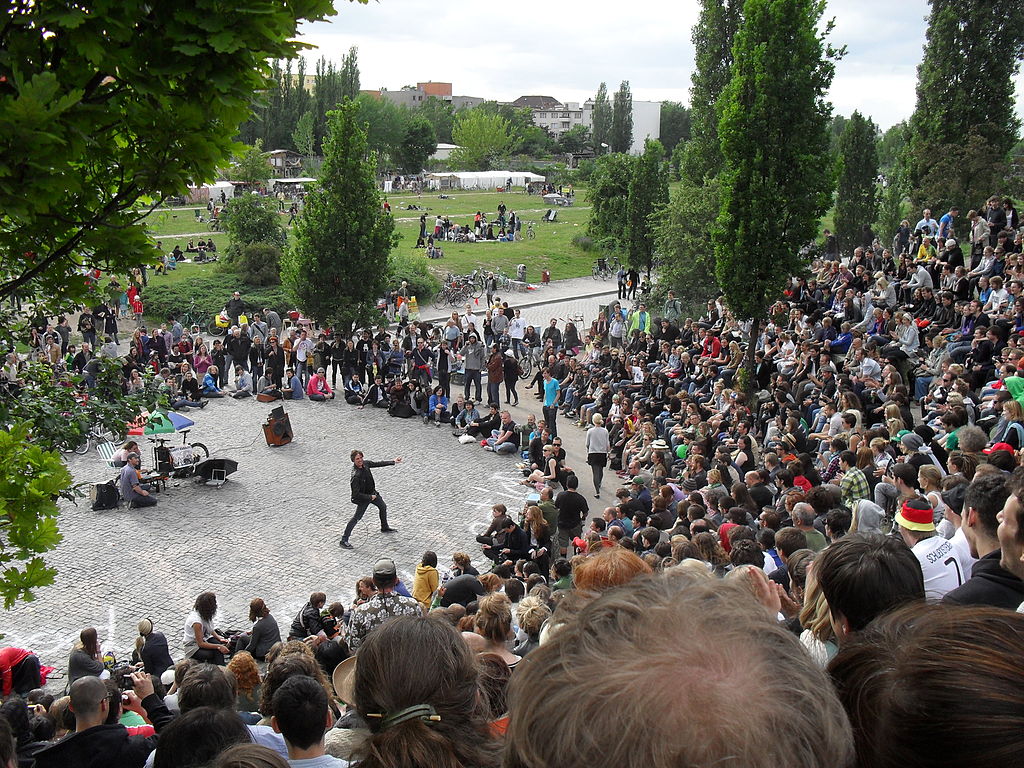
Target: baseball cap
999 447
385 569
638 480
916 515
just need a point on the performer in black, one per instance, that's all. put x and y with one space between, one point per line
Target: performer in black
364 493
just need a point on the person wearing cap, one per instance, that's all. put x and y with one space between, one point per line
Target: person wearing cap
364 493
382 606
133 491
940 562
990 583
639 491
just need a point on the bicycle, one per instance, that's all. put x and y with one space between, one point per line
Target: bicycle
600 269
93 437
180 461
193 317
530 234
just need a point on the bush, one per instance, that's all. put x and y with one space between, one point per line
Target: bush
413 269
585 243
259 264
211 291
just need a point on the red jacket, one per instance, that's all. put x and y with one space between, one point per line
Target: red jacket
10 658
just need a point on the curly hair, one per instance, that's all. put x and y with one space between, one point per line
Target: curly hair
247 674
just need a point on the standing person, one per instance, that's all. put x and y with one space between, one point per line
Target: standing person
473 357
511 374
620 279
303 354
87 326
495 374
634 282
550 409
572 511
364 493
234 308
597 451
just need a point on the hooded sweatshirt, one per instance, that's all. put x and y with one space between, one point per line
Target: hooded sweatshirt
425 583
990 584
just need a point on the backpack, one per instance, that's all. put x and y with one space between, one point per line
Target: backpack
105 496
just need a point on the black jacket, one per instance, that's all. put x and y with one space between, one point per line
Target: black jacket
990 584
154 654
308 622
363 486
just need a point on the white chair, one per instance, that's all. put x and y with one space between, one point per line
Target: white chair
106 451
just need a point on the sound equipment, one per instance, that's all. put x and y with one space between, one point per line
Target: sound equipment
278 429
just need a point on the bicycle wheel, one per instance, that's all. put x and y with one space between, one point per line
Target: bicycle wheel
200 451
595 272
83 447
525 367
216 330
440 302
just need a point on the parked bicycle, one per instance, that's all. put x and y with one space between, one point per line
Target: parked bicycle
530 234
93 437
601 270
193 317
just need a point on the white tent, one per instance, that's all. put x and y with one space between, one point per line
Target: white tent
206 192
481 179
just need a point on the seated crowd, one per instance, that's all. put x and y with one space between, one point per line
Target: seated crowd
847 541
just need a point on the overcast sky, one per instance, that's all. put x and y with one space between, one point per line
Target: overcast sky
565 49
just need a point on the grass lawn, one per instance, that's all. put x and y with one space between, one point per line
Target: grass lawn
552 249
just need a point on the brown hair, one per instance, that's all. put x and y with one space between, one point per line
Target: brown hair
612 567
491 581
935 686
257 609
414 660
493 618
249 756
291 662
714 626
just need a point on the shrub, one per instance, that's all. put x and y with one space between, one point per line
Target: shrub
585 243
413 269
259 264
211 291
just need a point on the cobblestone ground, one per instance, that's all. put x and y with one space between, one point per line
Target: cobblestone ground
272 530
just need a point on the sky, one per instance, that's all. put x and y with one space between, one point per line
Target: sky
566 49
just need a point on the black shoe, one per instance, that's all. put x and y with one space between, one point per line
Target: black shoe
203 404
389 530
345 545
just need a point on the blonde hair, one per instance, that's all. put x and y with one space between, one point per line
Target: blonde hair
493 619
931 474
815 614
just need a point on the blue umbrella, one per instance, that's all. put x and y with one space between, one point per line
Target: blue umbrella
180 422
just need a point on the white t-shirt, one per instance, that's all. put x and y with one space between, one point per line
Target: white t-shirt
963 551
189 638
941 566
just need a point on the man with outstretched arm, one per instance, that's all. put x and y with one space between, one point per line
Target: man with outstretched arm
364 493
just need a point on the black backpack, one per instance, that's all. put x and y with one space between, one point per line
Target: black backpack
105 496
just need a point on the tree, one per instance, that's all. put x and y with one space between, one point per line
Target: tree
418 144
712 38
349 74
675 125
574 140
602 121
893 145
385 124
252 219
682 236
622 119
965 83
108 105
326 96
778 175
892 204
609 191
857 194
648 193
439 114
303 136
250 165
482 138
338 264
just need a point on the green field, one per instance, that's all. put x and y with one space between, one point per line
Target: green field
552 249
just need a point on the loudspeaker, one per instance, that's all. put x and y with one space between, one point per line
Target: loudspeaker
278 429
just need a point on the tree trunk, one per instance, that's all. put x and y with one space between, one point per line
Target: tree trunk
748 383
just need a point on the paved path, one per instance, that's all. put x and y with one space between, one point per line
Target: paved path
272 531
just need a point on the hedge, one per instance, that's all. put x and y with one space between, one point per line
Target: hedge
211 291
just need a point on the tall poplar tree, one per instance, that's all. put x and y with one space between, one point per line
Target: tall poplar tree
602 128
857 194
622 119
779 174
965 98
350 74
338 264
648 192
712 37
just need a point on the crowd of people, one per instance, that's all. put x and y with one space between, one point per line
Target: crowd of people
843 536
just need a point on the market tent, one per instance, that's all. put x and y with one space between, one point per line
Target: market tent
206 192
481 179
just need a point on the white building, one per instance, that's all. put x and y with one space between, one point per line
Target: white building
564 117
444 151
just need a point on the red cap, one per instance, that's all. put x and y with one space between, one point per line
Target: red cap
999 447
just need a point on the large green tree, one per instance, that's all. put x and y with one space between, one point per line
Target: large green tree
965 88
712 37
108 106
304 135
602 121
682 235
252 219
648 193
418 144
675 125
622 118
608 193
778 176
350 74
857 192
338 264
438 113
250 165
482 137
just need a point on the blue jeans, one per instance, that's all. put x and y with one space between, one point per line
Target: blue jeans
921 385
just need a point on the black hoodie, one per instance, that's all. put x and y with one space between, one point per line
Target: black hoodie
102 746
990 584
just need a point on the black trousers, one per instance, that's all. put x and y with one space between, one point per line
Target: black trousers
25 675
361 510
550 414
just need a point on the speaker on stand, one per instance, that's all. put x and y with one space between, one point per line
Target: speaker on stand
278 429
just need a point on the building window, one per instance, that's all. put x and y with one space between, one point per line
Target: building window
543 115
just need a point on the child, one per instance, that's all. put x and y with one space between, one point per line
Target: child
137 309
424 584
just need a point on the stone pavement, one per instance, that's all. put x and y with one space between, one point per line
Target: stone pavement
272 530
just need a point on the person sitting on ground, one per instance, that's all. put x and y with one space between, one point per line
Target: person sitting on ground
301 715
294 389
133 490
264 633
243 383
354 390
309 621
210 388
383 606
86 659
504 438
318 389
151 649
492 628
